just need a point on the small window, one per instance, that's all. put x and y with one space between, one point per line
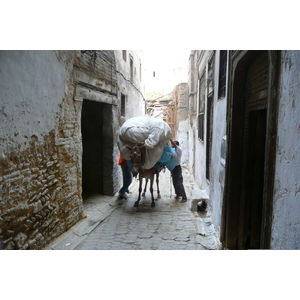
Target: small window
123 99
201 107
222 73
210 79
124 54
131 69
201 126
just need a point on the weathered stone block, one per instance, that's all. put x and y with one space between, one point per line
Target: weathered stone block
37 206
20 239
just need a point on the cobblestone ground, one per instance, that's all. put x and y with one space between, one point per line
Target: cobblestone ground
170 225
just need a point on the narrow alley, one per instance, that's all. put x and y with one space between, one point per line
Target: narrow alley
113 224
69 115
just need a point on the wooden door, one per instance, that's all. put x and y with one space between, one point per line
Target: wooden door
253 164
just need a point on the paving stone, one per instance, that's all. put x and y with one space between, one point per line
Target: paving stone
168 226
185 239
164 247
145 236
129 241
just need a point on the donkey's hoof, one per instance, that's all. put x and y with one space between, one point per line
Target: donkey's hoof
152 204
136 204
143 195
158 196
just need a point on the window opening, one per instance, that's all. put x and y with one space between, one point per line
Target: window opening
222 73
124 54
210 78
201 106
123 99
131 69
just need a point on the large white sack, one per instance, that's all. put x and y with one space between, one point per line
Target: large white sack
153 133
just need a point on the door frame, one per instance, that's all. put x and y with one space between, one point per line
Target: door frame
239 61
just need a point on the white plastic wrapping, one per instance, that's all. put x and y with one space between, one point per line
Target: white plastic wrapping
153 133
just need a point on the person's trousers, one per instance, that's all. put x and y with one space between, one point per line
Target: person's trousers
127 178
178 182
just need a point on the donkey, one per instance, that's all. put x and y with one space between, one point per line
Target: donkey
137 168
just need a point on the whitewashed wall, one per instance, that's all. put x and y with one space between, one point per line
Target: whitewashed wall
31 91
134 91
286 213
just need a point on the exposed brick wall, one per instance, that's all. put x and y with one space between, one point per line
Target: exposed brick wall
41 150
39 191
100 64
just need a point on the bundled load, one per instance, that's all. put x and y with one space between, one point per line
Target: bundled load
151 132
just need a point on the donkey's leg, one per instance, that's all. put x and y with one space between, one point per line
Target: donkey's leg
144 193
157 183
136 204
151 191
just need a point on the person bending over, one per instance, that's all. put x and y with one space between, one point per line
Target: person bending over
177 174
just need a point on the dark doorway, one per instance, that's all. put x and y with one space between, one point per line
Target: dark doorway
246 177
96 129
253 174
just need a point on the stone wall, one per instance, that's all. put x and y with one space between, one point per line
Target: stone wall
41 149
40 197
286 207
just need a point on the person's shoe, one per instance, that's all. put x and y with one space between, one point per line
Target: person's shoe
183 200
123 195
177 197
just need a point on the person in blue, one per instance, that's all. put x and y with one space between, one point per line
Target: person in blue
177 174
168 158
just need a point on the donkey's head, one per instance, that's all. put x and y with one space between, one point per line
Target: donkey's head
136 158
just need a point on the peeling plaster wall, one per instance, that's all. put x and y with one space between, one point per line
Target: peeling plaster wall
41 94
29 99
286 207
40 148
218 154
218 164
